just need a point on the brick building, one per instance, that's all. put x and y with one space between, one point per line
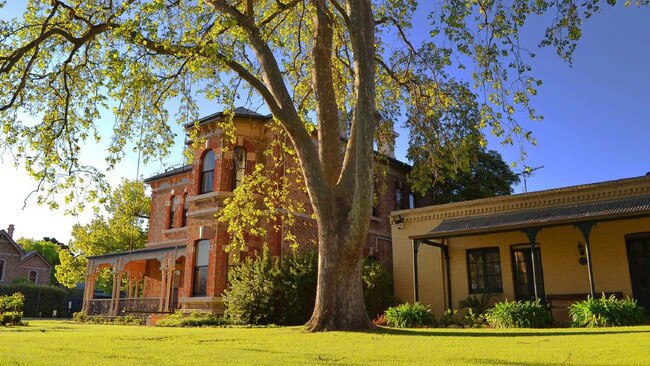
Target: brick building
15 263
184 264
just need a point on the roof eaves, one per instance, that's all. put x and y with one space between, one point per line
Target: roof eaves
170 173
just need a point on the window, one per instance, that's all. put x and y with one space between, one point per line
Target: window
484 270
32 276
186 207
399 198
375 200
2 269
239 166
172 211
201 267
207 172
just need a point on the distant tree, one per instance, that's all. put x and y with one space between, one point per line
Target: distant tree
487 176
123 228
48 250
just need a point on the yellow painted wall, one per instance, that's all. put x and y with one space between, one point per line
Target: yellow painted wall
558 246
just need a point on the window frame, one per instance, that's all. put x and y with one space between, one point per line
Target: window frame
172 211
29 277
204 173
486 288
3 263
186 207
197 269
236 168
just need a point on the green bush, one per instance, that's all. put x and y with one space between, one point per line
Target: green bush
11 309
39 300
255 287
478 305
194 319
80 317
449 317
377 288
606 312
519 314
409 316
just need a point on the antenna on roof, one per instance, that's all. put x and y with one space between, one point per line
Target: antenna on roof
527 172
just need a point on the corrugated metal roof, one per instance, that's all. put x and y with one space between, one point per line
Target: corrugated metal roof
139 251
542 217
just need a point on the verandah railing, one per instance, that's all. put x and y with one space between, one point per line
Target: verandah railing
144 305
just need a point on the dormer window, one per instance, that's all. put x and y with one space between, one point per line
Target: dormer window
239 166
207 172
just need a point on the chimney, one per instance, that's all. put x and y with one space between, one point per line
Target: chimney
10 230
387 147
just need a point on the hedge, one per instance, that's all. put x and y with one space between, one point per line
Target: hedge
40 301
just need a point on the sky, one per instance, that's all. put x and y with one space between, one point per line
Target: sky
596 123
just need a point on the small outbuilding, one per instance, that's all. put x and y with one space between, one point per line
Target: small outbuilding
558 245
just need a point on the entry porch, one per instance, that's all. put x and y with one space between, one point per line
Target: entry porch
142 281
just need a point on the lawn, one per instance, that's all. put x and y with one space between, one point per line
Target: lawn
65 343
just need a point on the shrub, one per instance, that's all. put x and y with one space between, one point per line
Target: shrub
606 312
409 316
519 314
449 317
377 288
80 317
193 319
264 290
39 300
477 305
11 309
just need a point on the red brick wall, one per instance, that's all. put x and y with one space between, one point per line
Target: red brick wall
255 139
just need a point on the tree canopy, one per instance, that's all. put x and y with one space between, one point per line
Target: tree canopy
488 176
123 228
342 67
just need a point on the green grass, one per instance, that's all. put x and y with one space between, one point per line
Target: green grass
65 343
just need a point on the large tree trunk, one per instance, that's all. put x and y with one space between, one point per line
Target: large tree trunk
339 297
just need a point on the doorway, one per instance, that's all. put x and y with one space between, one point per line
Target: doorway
523 272
638 256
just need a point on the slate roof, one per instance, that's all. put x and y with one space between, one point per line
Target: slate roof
169 173
240 112
625 207
23 255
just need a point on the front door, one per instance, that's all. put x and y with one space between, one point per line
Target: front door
638 255
523 273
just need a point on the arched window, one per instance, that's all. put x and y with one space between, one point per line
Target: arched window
186 206
207 172
239 166
172 211
32 276
2 269
201 268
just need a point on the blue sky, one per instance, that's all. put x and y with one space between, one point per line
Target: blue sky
596 123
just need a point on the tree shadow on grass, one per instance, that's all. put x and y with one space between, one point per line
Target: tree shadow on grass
488 332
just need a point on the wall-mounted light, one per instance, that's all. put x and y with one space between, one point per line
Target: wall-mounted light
583 256
399 221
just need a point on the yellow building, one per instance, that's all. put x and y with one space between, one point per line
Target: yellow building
588 239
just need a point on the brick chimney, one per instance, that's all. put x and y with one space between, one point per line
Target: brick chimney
10 230
388 147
